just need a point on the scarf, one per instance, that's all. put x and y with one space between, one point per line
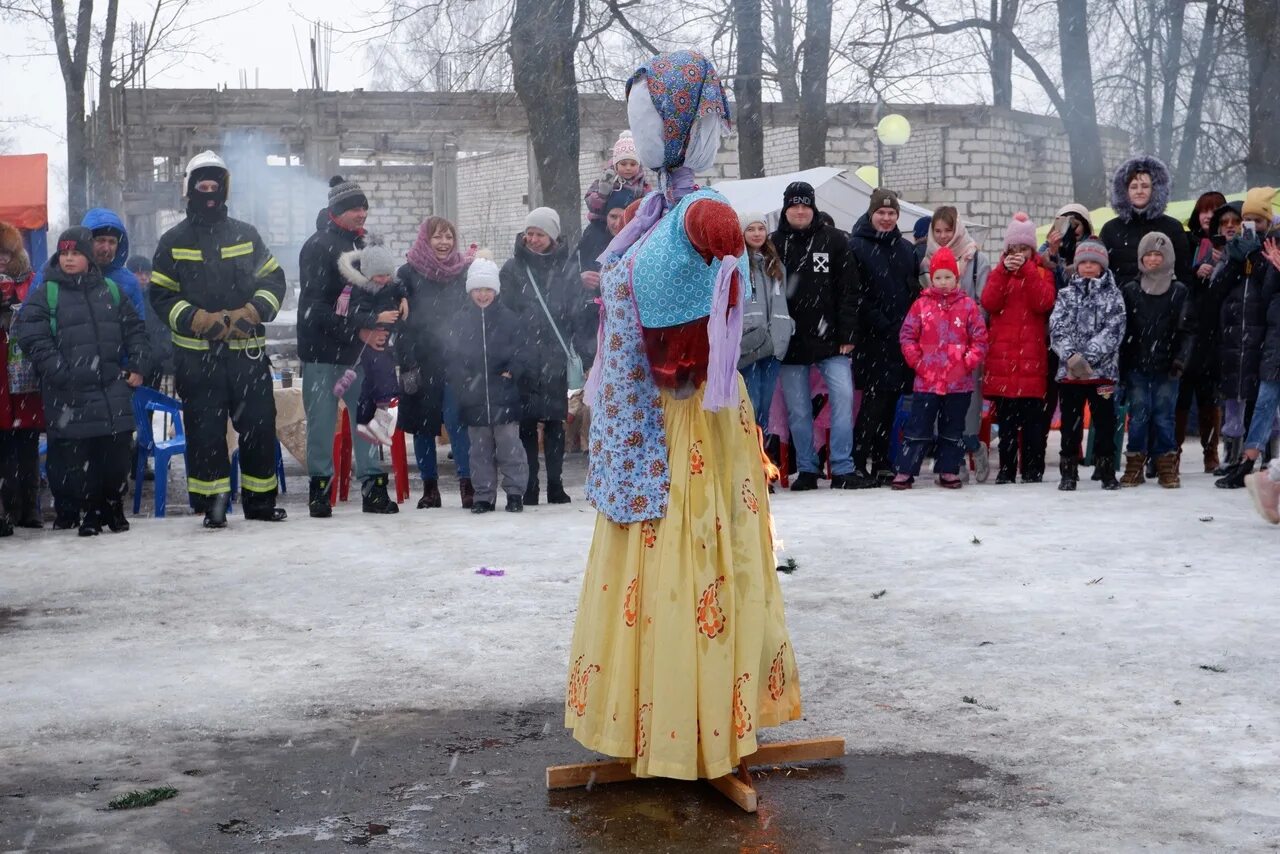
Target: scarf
961 245
425 260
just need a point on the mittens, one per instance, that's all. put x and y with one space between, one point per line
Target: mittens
1078 367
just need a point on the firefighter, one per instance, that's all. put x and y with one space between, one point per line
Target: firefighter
214 282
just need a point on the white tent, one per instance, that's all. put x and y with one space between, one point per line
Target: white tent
843 195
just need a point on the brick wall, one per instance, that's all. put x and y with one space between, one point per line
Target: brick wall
399 200
492 189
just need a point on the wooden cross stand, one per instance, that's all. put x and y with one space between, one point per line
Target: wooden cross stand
736 787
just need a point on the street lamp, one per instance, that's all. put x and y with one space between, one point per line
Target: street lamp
893 130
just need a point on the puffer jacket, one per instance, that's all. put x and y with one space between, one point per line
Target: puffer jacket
483 344
1160 329
81 364
1242 325
1089 318
1019 305
1269 366
546 385
766 323
887 284
944 341
1122 235
324 336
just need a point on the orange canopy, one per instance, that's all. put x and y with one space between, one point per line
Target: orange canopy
24 190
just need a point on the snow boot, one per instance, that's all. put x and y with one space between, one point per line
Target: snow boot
215 516
374 498
1234 478
481 507
28 515
318 499
1210 418
515 504
115 518
555 495
1233 448
1265 493
468 492
264 513
1108 477
430 495
1133 469
804 482
90 525
66 521
981 463
532 494
1069 471
1167 470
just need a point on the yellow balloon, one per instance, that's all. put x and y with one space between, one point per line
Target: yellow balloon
894 129
870 175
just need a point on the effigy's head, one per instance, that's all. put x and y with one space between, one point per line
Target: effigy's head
678 111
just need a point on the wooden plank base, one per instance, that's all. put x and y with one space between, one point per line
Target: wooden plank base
590 774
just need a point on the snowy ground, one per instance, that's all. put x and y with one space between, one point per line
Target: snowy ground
1062 639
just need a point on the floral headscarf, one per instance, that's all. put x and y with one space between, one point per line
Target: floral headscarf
684 86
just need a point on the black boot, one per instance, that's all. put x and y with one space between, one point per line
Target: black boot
1069 469
1234 478
1233 447
853 480
91 524
374 494
555 495
115 518
318 500
531 495
481 507
216 515
28 515
804 482
6 527
516 505
1108 476
66 521
263 512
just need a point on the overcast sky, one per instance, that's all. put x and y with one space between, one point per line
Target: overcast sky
262 38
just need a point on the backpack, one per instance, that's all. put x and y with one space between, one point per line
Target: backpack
51 297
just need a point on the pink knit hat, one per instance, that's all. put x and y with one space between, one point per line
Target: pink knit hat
1021 231
625 148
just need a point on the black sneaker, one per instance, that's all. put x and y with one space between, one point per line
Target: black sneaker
804 482
481 507
318 499
515 504
265 514
374 496
853 480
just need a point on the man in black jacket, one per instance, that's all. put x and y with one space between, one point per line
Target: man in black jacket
214 282
821 282
887 283
329 343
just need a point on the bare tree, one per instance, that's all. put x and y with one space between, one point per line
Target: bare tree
543 39
747 87
1204 64
1005 14
1262 34
813 83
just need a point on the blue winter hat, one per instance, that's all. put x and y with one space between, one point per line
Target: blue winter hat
619 199
921 230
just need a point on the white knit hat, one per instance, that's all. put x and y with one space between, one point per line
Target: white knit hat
546 219
625 148
746 219
483 273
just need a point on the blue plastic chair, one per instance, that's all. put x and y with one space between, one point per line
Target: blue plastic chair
235 472
147 401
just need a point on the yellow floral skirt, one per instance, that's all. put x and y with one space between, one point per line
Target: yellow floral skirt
680 650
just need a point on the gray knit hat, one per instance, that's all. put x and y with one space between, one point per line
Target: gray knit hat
1092 249
345 195
377 260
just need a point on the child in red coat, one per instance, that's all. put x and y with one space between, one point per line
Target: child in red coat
1019 299
944 341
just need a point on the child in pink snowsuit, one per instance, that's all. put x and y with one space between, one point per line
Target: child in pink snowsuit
943 340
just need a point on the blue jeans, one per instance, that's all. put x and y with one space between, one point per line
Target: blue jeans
837 371
1264 416
761 378
424 444
947 411
1152 399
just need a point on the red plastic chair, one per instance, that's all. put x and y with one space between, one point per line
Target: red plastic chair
342 451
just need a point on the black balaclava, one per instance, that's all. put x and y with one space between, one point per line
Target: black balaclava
207 207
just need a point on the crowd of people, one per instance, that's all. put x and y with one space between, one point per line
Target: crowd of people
1149 325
